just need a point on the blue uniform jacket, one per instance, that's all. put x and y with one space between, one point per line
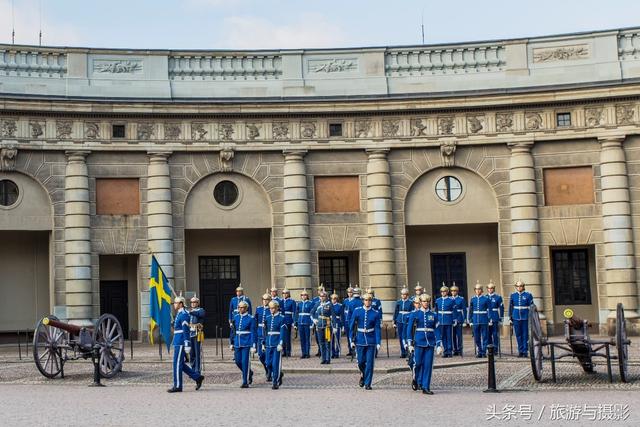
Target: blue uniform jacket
181 328
427 333
338 312
519 305
402 311
376 304
459 309
278 300
243 334
233 306
496 310
444 310
479 310
196 315
353 304
303 313
366 323
288 310
346 310
275 328
260 317
323 313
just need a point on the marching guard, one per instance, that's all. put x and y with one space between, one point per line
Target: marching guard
316 302
233 304
275 297
519 305
365 326
423 337
243 338
496 314
478 319
411 356
303 324
337 325
260 318
403 308
323 318
459 319
182 347
196 333
288 310
376 304
275 328
419 290
444 310
346 311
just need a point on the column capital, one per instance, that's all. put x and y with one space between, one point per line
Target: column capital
292 154
77 155
612 141
520 146
377 153
162 156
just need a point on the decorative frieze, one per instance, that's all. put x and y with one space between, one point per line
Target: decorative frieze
390 128
562 53
533 121
36 129
418 127
198 131
64 129
145 131
9 128
308 129
129 66
446 125
334 65
226 131
625 114
363 128
253 131
594 117
475 124
172 130
280 130
91 130
504 122
447 152
8 158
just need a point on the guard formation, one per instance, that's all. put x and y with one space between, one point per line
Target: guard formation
424 328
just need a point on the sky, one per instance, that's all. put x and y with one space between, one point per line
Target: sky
273 24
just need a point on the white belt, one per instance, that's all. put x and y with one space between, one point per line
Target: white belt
304 314
460 310
495 309
243 332
445 312
424 329
288 312
404 312
521 307
274 333
479 312
366 330
177 332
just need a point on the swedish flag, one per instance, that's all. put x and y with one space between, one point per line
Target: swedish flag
159 302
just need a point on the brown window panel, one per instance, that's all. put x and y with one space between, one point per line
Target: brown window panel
117 196
335 194
568 186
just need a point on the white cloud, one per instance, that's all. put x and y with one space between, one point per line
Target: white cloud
27 25
307 31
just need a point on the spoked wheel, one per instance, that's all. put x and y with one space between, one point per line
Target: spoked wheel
110 338
49 348
622 344
535 343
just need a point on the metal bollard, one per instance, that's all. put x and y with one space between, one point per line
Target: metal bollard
221 345
19 346
95 358
386 335
160 346
491 377
131 342
215 336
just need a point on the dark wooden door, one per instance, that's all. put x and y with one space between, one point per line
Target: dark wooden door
219 277
448 268
113 300
334 274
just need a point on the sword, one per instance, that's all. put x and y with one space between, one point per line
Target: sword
414 381
511 336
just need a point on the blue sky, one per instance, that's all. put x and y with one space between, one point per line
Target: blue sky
246 24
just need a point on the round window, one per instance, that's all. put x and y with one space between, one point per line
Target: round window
225 193
8 193
448 188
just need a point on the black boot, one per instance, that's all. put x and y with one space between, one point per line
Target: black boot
426 391
361 383
174 390
280 379
199 382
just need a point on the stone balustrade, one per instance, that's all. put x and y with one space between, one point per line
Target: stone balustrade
32 63
225 67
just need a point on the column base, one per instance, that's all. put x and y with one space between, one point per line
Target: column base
632 320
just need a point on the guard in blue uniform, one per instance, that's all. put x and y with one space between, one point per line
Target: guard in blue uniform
316 302
459 319
519 305
346 310
365 323
496 313
478 319
336 326
260 318
376 304
233 304
196 333
303 322
423 342
182 347
404 307
444 310
411 355
323 318
244 340
275 297
275 328
288 310
418 291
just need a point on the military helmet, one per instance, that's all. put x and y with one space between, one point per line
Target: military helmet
455 288
349 289
195 299
518 283
304 292
274 289
274 303
179 298
418 286
334 296
425 298
320 287
444 288
322 293
240 288
267 296
243 304
372 292
367 296
404 291
286 291
478 285
491 285
357 291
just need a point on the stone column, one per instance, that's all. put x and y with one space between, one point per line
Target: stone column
159 217
380 229
524 222
297 256
619 262
77 240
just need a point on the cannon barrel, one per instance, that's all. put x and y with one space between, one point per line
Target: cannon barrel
72 329
574 321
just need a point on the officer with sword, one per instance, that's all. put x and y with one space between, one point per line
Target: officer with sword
275 329
496 314
196 333
459 316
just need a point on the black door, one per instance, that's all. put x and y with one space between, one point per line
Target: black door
219 277
113 300
448 269
334 274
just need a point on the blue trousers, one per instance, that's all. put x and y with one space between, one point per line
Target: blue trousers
494 336
241 357
335 344
196 363
481 337
261 353
521 330
347 333
446 332
424 366
325 350
286 342
366 358
403 347
179 366
274 362
457 338
305 339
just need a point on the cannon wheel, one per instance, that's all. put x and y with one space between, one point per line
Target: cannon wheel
535 343
48 348
622 344
110 338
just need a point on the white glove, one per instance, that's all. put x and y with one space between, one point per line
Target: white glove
187 349
439 350
455 323
279 347
253 350
471 325
411 349
315 321
295 327
353 345
377 346
335 331
231 347
395 326
263 347
490 322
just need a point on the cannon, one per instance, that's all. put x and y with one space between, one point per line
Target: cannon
578 344
56 342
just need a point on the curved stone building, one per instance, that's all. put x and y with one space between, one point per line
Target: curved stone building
382 167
